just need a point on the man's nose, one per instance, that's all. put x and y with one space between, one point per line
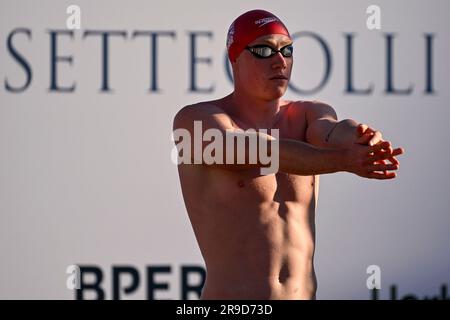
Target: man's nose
279 61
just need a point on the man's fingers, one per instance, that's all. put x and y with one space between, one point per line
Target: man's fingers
382 176
383 167
393 160
398 151
380 155
380 146
377 137
381 162
364 139
387 154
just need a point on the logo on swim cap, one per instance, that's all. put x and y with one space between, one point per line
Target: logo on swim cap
230 36
250 26
265 21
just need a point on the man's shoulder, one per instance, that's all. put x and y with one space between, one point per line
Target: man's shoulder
314 108
202 107
309 104
298 108
199 111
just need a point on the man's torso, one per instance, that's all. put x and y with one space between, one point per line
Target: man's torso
256 233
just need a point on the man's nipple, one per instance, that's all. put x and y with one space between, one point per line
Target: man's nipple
241 184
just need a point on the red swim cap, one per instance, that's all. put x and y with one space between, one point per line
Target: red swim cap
250 26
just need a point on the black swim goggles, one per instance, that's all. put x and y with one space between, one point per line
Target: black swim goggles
263 51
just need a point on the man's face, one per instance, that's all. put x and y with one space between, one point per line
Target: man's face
260 77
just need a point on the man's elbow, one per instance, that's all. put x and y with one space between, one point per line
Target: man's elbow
317 131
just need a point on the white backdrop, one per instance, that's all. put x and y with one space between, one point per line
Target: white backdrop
86 176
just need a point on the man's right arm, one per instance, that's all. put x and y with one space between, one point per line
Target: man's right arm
295 157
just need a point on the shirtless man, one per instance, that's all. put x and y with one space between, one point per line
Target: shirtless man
257 232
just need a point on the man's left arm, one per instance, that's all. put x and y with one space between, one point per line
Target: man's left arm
324 130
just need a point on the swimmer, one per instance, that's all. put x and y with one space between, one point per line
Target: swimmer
256 232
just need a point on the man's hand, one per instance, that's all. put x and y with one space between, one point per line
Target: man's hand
380 156
369 161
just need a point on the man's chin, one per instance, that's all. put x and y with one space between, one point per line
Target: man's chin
272 93
277 93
